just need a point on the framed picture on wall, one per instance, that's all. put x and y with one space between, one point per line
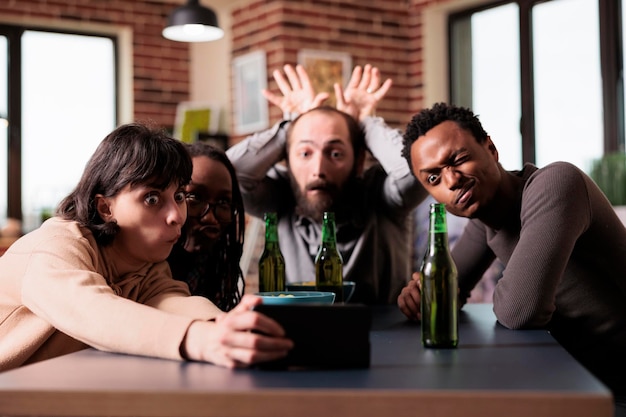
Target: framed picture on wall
194 119
250 107
325 68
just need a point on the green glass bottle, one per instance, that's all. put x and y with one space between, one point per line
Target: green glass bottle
328 262
271 262
439 286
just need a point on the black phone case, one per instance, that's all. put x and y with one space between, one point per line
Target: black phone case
324 336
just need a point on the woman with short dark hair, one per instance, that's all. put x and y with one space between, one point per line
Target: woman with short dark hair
95 275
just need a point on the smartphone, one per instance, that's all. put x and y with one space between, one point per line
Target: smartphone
324 336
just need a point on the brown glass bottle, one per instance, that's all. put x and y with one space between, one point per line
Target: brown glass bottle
271 262
328 262
438 275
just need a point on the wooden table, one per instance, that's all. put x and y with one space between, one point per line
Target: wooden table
494 372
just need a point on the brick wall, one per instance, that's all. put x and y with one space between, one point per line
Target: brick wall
160 66
381 32
385 33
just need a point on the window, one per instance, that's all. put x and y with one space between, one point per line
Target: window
543 78
567 79
64 103
488 79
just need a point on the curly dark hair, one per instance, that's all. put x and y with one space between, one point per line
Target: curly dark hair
222 286
426 119
131 154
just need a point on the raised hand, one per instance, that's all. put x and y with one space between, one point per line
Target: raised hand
238 338
298 94
409 299
363 92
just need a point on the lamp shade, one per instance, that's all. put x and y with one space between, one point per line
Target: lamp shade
192 23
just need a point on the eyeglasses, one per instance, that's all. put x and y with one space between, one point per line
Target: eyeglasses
222 210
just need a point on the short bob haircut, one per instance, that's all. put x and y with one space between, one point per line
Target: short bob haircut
133 154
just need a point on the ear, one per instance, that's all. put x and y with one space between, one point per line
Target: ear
103 207
491 148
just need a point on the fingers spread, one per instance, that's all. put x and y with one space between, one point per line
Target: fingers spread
355 78
374 80
282 83
304 78
271 97
319 99
292 75
380 93
340 99
366 77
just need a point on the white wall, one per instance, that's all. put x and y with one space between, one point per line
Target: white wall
210 63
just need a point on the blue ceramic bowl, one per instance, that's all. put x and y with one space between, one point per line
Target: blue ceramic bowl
297 297
348 287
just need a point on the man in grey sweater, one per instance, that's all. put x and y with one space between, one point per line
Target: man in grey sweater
560 241
324 153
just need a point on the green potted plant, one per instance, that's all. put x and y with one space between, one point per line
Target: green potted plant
609 172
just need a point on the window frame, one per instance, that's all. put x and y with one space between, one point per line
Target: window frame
611 67
14 33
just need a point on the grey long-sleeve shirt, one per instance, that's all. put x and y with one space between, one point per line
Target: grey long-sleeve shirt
375 244
564 251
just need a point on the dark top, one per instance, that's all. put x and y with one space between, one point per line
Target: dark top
564 251
203 273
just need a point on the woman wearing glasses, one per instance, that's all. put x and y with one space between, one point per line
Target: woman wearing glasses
207 255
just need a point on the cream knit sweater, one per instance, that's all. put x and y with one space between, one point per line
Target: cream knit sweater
60 292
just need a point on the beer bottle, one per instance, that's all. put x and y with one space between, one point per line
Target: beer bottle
271 262
439 286
328 262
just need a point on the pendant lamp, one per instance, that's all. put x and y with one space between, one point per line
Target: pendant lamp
192 23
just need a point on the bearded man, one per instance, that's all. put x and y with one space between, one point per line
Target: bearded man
324 153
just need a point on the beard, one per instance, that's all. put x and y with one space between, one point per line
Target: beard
330 197
314 206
